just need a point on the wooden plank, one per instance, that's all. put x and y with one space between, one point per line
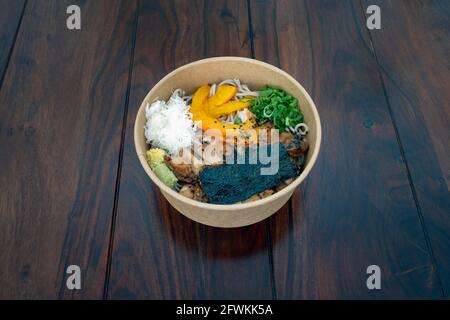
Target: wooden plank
356 209
413 48
61 116
157 253
10 18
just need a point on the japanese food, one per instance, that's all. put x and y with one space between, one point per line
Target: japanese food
225 143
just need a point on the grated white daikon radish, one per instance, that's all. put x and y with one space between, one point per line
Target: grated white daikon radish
169 125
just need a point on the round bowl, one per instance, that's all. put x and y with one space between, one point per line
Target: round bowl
256 74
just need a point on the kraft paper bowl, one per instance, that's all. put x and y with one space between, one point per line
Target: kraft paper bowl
256 74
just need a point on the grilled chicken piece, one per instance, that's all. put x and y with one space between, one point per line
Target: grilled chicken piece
187 191
294 146
184 167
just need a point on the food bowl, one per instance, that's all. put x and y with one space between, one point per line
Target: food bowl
256 74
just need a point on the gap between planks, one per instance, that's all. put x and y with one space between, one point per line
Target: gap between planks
121 151
13 44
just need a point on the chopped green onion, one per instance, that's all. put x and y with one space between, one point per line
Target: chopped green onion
277 106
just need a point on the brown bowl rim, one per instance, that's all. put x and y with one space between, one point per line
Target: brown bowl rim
228 207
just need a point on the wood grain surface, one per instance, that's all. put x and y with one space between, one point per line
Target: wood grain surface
157 252
74 192
62 105
356 209
413 49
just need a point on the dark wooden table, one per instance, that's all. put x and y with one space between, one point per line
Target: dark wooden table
73 191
